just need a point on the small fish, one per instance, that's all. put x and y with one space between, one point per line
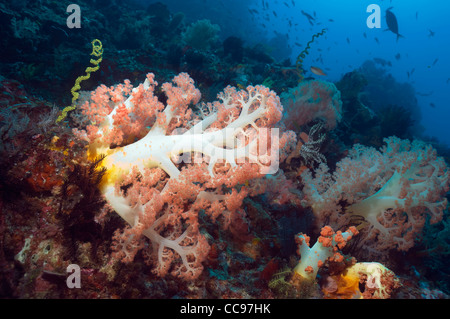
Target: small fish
435 61
317 71
331 20
286 4
448 80
398 56
431 33
348 40
376 40
365 35
432 105
417 15
274 13
308 16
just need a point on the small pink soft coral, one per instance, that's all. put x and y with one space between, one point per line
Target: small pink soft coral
394 190
312 100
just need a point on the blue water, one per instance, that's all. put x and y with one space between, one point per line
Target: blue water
344 47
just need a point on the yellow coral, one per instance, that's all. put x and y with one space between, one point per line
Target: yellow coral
378 281
97 50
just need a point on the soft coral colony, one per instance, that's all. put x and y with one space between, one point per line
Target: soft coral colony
142 140
168 164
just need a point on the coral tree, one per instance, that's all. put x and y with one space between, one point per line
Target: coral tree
393 191
166 164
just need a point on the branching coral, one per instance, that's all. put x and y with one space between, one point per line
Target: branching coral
165 164
393 190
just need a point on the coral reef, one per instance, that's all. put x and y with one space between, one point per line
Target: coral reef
213 184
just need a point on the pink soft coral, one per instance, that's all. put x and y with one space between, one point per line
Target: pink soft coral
312 100
394 190
165 164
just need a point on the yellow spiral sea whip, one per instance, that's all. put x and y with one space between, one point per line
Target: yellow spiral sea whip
304 53
97 51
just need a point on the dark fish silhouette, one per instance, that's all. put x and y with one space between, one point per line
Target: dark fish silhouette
308 16
265 5
432 105
431 33
398 56
392 23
